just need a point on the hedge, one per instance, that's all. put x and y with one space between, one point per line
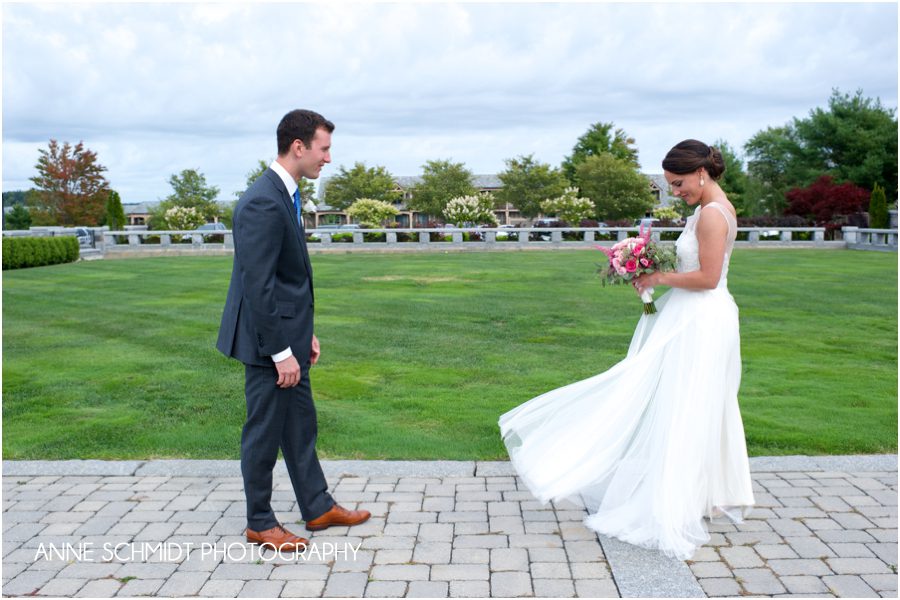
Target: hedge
24 252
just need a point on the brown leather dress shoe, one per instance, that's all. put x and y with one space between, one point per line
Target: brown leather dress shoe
338 515
277 538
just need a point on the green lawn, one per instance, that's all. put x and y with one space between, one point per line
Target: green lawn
422 352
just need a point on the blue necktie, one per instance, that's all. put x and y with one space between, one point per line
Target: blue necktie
297 206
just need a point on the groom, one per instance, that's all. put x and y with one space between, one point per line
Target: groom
268 325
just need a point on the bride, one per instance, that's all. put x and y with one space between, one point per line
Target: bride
656 443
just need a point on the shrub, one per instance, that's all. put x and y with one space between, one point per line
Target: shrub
25 252
878 210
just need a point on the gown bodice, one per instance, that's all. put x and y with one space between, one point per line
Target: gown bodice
687 247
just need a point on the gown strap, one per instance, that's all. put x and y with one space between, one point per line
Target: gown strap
729 218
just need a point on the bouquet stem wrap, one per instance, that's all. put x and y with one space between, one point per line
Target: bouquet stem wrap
649 305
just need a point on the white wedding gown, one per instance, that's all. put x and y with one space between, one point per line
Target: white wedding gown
656 443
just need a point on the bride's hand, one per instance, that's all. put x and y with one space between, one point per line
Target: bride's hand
646 281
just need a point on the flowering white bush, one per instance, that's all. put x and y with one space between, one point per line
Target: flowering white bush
569 207
371 212
471 209
180 217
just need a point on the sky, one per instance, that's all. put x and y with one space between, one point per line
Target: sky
158 88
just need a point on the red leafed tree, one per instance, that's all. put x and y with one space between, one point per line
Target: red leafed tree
825 201
70 188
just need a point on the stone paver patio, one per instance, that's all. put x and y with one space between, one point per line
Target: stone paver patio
823 526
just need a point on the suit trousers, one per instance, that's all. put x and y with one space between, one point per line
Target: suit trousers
285 419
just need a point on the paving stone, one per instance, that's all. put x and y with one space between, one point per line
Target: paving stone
26 582
767 551
547 555
849 586
511 584
590 570
459 572
436 532
550 570
303 589
140 570
881 583
845 535
803 584
596 588
389 557
400 572
470 506
299 571
789 527
221 588
538 541
509 559
400 529
428 589
90 570
809 547
851 550
799 566
470 589
100 588
884 535
857 566
504 509
259 588
184 583
141 587
481 541
389 542
471 528
710 569
470 556
57 587
433 553
344 585
242 571
507 525
759 581
720 586
741 557
386 589
553 588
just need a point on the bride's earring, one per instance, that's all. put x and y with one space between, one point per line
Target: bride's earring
702 181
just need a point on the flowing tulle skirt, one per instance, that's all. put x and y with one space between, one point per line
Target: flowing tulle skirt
654 444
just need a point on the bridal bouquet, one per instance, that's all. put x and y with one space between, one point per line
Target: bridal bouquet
635 256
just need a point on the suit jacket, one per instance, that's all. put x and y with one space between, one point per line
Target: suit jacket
270 298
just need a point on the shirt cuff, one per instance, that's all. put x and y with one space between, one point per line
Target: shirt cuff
286 353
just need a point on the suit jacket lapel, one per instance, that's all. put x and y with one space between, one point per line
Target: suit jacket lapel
298 228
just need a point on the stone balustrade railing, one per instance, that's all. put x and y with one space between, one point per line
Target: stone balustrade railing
144 242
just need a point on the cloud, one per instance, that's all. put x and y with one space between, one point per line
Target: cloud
157 88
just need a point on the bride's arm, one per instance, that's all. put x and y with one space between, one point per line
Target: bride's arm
711 233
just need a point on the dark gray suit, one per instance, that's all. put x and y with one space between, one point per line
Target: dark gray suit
270 307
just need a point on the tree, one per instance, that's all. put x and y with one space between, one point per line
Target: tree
442 180
190 190
476 208
825 201
854 140
347 187
526 183
734 181
70 186
115 214
371 212
615 187
12 198
253 175
20 218
569 207
599 138
878 210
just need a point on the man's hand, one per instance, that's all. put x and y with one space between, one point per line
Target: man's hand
288 372
314 351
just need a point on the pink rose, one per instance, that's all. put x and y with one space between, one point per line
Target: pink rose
631 266
621 270
645 262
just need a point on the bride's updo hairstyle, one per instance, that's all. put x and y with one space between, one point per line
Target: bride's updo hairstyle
689 155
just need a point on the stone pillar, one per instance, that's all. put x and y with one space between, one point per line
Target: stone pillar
326 238
819 237
165 239
556 236
424 237
490 237
786 236
229 241
589 236
358 237
851 234
621 235
753 237
391 237
457 237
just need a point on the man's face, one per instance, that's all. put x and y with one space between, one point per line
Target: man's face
315 157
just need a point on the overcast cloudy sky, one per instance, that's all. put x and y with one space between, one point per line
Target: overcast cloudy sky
158 88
